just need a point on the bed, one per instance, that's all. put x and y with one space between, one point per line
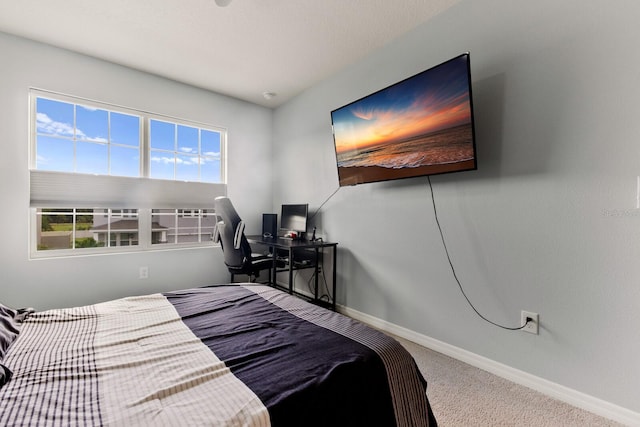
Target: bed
225 355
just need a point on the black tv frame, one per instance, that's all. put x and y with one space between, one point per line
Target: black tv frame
438 85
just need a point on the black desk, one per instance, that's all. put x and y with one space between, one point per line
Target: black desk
293 248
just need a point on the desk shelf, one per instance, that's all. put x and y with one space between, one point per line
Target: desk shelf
305 255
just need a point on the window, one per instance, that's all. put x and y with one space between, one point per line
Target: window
121 213
85 228
106 178
183 152
85 139
173 226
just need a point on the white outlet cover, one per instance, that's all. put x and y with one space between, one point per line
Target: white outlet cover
532 327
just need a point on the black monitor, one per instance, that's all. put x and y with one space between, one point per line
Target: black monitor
293 218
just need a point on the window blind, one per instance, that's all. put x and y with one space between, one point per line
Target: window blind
73 190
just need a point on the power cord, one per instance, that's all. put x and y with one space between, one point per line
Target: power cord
313 237
455 276
323 203
327 295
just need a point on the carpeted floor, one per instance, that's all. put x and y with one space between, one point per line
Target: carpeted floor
465 396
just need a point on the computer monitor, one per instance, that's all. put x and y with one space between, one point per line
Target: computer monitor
293 218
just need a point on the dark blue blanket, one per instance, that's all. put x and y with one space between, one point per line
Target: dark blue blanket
304 373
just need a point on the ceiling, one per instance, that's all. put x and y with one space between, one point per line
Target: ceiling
242 50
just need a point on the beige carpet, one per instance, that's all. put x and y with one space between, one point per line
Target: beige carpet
465 396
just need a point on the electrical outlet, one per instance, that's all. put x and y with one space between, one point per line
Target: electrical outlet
533 325
144 273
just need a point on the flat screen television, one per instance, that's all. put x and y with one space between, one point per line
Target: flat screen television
293 218
422 125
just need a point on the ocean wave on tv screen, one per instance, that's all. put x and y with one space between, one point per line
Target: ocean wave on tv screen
444 147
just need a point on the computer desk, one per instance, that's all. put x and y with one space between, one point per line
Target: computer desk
293 261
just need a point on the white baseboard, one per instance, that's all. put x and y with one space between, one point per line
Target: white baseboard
565 394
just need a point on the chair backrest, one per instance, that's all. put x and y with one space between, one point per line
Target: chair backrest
235 247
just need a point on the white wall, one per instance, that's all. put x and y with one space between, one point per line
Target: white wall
547 223
46 283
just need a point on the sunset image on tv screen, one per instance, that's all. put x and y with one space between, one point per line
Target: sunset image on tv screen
420 126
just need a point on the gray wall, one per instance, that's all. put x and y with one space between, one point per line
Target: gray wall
547 223
65 282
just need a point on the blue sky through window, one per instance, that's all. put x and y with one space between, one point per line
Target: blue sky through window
125 129
93 124
78 138
184 153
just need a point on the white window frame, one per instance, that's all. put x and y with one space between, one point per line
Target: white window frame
49 189
199 216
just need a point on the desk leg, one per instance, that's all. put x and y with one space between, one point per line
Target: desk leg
291 270
274 267
317 274
335 268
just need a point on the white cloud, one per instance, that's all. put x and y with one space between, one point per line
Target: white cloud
164 160
88 108
188 161
47 125
41 160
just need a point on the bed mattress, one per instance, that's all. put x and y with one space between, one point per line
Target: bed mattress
245 355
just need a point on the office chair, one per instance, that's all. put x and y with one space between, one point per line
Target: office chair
229 232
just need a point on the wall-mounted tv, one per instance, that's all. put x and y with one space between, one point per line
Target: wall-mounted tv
422 125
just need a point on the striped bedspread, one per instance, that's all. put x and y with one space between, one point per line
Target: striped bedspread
237 355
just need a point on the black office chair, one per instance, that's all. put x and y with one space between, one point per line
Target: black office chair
229 232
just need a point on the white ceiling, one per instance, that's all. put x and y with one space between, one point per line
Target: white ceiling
242 50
